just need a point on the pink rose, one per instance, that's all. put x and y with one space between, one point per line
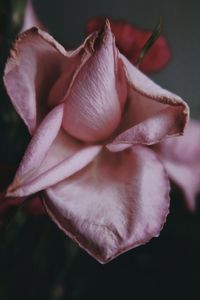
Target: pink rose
130 41
92 115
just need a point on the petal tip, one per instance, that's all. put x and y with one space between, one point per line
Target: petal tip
105 35
14 189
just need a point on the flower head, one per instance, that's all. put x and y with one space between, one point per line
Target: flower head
91 115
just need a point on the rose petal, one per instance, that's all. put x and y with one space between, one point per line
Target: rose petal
92 107
39 145
114 204
51 156
36 62
62 170
77 58
151 114
181 157
130 41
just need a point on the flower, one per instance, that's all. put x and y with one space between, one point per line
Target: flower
130 41
92 116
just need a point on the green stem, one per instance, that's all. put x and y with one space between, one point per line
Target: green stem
149 43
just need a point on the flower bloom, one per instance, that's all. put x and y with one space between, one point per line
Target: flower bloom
130 41
91 115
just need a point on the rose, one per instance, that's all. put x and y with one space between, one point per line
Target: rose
92 115
130 41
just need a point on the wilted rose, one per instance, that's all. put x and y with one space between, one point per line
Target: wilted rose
92 115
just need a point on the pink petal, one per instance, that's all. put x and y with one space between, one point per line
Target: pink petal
130 41
76 59
70 165
39 145
92 106
35 63
151 114
181 157
50 157
114 204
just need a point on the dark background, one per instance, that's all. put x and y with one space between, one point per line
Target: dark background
37 261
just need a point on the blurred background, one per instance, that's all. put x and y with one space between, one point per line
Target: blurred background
36 260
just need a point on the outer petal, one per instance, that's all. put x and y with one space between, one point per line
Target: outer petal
114 204
35 63
92 106
151 114
181 157
130 40
38 147
51 156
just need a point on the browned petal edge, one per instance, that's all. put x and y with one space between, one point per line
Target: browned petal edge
34 31
81 241
162 99
101 34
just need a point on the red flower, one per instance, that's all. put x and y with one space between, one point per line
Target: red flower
130 40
